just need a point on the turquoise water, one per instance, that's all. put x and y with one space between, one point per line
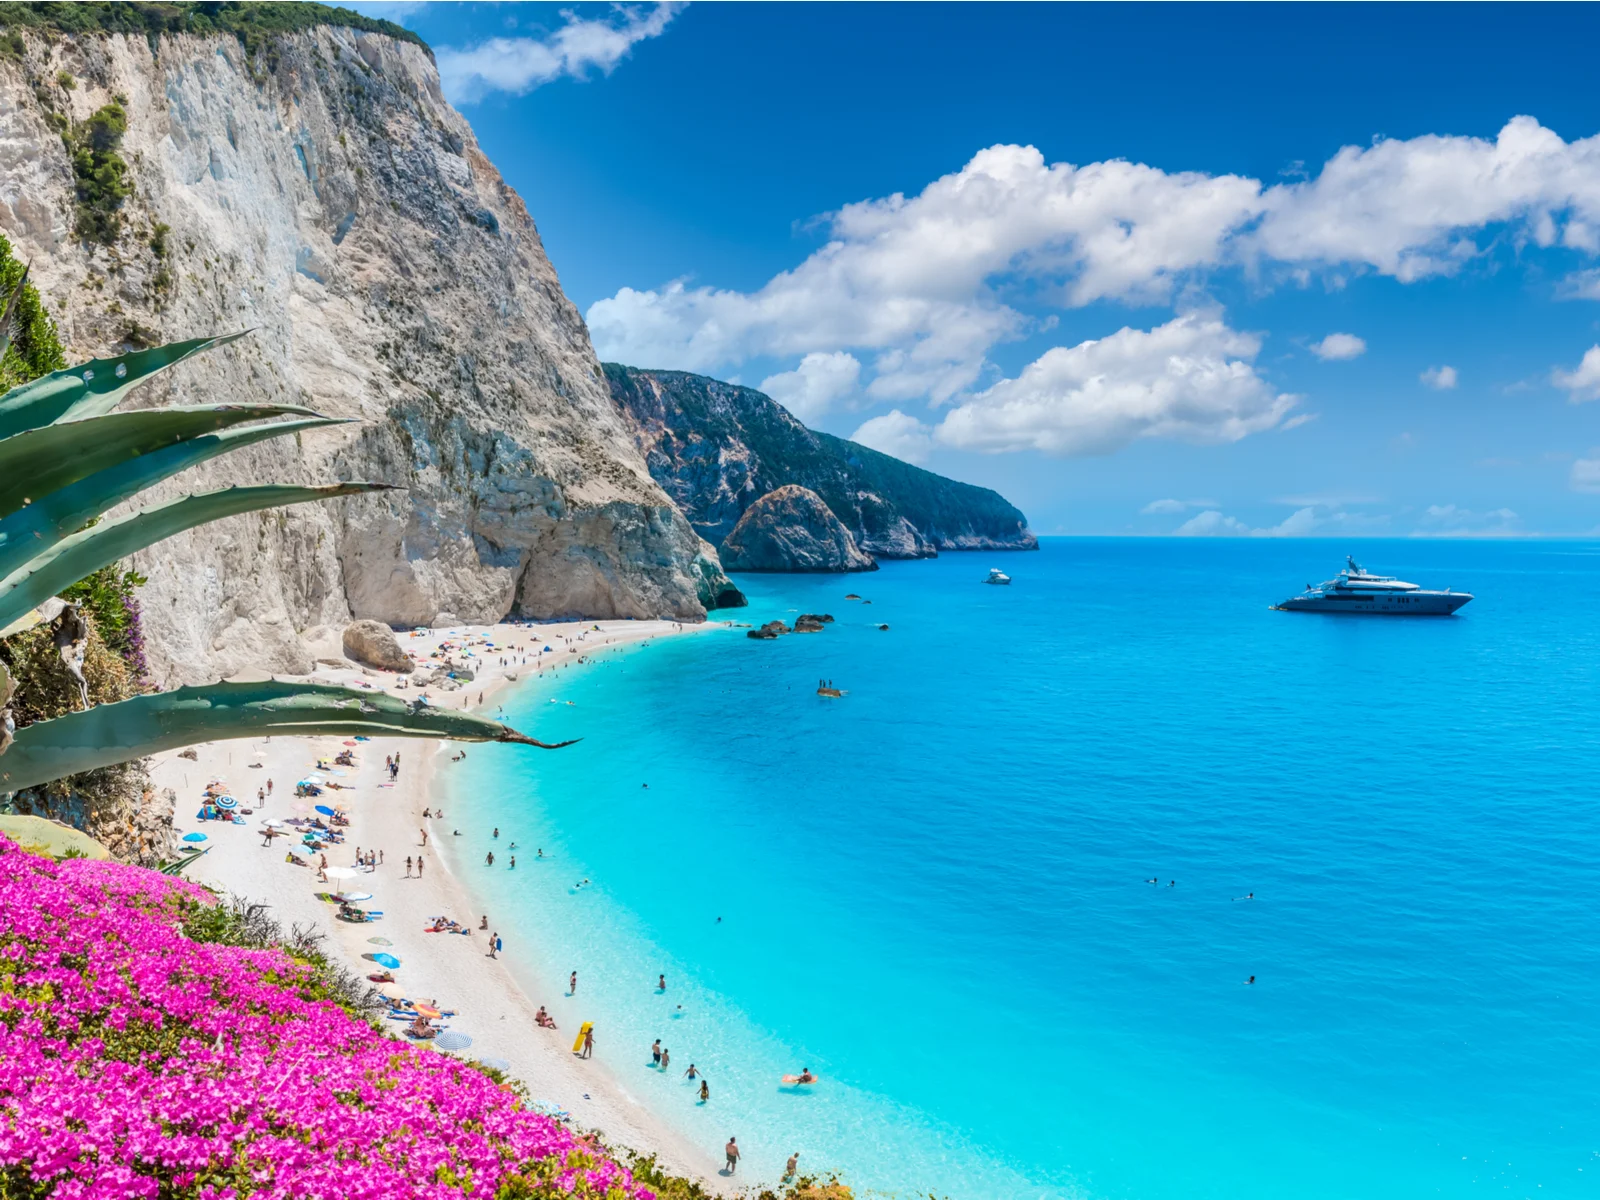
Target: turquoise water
932 890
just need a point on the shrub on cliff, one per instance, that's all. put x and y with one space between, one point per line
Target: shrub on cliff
35 349
136 1061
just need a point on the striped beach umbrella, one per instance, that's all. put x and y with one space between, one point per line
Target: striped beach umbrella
452 1041
226 802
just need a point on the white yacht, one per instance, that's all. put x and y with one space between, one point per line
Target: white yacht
996 575
1353 590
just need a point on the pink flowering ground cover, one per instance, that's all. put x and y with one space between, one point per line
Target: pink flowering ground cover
136 1062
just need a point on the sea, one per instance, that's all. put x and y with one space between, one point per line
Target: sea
1006 895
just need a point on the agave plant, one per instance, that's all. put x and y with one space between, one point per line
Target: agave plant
66 459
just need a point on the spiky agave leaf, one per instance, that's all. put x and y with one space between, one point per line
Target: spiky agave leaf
114 733
31 531
89 550
94 387
36 462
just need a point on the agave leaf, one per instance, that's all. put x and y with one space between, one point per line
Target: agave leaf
38 461
91 388
114 733
31 531
87 551
8 319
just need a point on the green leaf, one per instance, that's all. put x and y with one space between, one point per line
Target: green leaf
31 531
36 462
71 559
93 387
113 733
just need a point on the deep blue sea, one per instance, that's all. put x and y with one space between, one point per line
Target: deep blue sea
932 891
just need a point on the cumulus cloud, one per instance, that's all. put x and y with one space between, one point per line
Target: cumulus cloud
1583 382
1192 378
1585 475
1338 346
1169 507
1451 520
816 385
519 64
920 288
1440 379
898 434
1215 524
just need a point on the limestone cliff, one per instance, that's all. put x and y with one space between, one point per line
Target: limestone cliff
792 529
717 447
322 191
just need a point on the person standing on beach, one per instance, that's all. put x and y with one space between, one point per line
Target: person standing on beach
494 940
588 1044
424 833
419 866
732 1151
408 866
792 1167
572 985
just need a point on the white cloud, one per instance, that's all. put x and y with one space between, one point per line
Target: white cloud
1214 524
1169 507
1338 346
919 289
1451 520
1583 382
1192 378
812 388
520 64
897 434
1585 475
1440 379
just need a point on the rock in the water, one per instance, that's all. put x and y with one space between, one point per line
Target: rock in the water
769 631
373 643
812 622
792 529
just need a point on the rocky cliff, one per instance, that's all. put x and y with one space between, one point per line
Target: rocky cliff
792 529
717 447
318 188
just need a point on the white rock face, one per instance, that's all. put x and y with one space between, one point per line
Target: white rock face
340 206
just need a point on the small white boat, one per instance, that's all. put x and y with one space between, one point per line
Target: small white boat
996 575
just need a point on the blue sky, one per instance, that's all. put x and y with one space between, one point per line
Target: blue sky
1090 256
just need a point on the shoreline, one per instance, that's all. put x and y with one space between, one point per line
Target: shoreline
493 1006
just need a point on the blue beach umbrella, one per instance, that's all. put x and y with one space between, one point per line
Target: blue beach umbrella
325 810
194 837
386 960
452 1041
226 802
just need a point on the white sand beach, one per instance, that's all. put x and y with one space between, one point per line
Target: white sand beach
454 969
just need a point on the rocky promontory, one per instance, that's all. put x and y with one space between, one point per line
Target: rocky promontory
792 529
716 448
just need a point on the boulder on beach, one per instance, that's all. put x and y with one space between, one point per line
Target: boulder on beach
374 643
792 529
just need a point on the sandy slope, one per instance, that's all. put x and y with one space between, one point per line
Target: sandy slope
455 969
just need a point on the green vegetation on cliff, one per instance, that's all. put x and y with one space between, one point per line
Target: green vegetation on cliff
251 23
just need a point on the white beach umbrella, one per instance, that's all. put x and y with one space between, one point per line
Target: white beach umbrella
342 873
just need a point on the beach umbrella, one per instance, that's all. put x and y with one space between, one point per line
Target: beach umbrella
341 872
380 941
352 897
325 810
194 837
227 802
452 1041
499 1064
273 823
349 742
429 1011
386 960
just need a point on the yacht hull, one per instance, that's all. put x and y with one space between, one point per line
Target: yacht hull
1401 604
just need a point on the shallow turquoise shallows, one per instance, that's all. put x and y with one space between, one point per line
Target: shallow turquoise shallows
932 891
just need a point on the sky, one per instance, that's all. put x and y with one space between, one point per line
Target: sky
1213 270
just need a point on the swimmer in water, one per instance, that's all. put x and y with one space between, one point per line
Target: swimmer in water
1251 980
1152 881
1251 896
